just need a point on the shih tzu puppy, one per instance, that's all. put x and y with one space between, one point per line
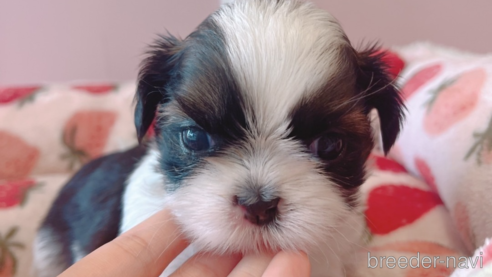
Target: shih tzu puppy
262 136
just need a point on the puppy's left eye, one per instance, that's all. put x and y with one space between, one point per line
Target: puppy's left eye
327 147
196 139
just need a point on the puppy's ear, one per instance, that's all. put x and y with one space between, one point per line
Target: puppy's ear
380 93
153 79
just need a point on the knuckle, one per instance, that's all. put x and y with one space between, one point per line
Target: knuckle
132 244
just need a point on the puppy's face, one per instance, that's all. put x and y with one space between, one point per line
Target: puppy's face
262 125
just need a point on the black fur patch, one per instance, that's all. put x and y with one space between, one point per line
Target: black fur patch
154 76
380 93
206 90
88 209
342 107
333 110
201 86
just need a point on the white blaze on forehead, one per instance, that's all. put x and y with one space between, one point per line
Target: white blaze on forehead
278 53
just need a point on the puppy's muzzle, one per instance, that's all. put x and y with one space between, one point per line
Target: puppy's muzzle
260 212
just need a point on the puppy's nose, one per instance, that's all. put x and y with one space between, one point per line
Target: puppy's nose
261 212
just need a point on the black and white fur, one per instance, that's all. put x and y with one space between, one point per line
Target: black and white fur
264 80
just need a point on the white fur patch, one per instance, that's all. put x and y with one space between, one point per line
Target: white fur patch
145 194
47 255
77 251
279 52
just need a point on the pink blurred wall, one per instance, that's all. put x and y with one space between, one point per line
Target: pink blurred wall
103 40
461 24
65 40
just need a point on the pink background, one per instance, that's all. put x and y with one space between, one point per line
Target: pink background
103 40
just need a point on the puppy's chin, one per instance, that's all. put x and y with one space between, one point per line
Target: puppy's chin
312 215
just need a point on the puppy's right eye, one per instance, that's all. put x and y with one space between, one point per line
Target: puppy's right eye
327 147
196 139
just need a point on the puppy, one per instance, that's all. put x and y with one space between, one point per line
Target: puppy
262 135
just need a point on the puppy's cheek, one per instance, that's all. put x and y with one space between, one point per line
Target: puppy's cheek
204 208
312 214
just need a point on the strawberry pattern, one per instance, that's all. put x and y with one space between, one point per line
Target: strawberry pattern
453 100
403 219
8 259
386 164
22 95
419 79
85 135
14 193
17 158
482 148
393 62
426 173
447 136
80 122
392 206
97 89
63 127
413 248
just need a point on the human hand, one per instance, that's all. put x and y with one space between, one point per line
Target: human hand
141 252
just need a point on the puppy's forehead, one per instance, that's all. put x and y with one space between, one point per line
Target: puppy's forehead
280 52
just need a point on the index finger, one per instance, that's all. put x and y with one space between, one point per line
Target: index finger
145 250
